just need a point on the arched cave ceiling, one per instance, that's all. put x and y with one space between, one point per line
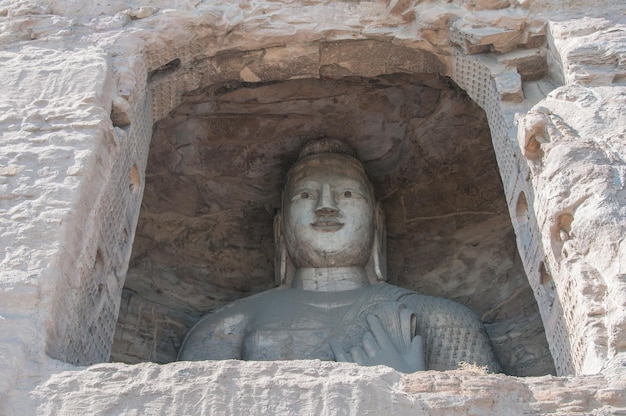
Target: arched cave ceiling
215 173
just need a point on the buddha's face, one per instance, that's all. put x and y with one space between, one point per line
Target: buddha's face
328 213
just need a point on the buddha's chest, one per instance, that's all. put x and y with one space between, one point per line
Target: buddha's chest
292 332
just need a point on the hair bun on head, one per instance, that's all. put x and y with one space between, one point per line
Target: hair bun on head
326 145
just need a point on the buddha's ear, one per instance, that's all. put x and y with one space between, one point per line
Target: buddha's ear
377 265
283 266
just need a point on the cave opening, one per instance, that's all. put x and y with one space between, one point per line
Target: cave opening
215 173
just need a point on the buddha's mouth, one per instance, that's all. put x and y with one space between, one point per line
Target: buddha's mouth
327 225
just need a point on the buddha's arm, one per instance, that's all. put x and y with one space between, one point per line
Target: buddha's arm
217 336
452 334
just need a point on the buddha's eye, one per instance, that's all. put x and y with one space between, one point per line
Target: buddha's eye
305 195
347 194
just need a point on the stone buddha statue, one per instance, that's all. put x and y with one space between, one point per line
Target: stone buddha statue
332 302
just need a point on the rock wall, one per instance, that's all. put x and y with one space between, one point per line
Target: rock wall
84 81
317 388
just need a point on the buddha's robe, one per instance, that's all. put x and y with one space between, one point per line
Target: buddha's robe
292 324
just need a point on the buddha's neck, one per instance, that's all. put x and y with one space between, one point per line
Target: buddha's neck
332 279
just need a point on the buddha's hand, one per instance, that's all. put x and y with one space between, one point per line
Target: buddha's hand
379 349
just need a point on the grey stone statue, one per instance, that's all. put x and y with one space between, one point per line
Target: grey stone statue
332 302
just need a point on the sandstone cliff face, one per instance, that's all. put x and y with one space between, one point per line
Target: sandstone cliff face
316 388
83 83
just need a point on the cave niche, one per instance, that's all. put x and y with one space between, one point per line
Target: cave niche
215 172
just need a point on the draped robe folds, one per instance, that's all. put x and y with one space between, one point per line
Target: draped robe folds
293 324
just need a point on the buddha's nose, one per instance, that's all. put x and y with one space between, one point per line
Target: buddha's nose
326 203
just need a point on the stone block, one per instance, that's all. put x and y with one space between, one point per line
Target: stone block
276 63
531 64
509 86
478 38
293 387
367 58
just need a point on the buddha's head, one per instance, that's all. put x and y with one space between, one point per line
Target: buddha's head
329 216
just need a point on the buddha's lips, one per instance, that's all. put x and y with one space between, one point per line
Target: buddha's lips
327 225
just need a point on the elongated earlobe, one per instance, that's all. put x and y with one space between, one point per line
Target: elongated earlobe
380 245
377 265
279 246
283 266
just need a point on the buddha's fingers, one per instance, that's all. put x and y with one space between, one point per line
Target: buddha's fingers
380 334
417 353
337 349
358 356
370 345
407 327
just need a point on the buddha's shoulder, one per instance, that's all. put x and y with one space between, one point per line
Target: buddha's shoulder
245 305
436 308
231 318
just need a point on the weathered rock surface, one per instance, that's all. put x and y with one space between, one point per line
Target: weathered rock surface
575 147
78 81
316 388
592 50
